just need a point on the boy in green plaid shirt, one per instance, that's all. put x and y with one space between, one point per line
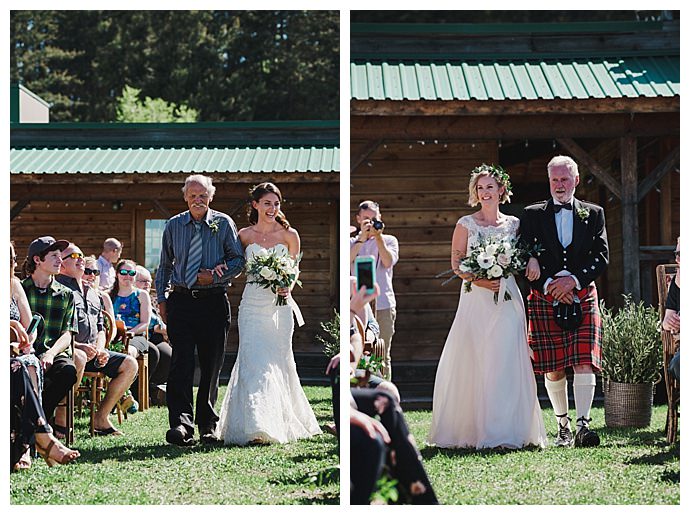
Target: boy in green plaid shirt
56 304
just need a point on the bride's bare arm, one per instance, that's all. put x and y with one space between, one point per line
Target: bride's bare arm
459 251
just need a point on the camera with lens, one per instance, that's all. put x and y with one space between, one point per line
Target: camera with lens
377 224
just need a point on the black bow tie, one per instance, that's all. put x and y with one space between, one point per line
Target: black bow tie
558 207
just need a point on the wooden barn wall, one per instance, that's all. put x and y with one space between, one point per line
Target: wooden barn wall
422 190
312 208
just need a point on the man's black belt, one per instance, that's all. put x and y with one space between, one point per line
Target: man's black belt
199 293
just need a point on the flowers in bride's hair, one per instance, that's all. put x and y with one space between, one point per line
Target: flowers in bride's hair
273 269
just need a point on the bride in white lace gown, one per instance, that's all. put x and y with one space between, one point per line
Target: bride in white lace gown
264 402
485 393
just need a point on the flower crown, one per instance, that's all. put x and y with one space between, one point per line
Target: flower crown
495 171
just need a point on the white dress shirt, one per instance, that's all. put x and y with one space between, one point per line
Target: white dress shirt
564 225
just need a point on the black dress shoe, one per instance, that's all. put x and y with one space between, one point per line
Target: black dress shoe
178 436
585 437
208 435
564 438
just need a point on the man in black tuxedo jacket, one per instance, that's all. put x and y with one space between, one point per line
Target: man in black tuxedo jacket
573 252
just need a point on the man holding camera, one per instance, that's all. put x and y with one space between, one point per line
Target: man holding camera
370 241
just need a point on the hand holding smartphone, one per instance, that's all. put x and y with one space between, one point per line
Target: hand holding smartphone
365 272
33 325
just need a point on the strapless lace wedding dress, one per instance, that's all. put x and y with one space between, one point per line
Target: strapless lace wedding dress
265 401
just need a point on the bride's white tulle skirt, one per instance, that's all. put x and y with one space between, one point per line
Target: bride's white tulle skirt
485 393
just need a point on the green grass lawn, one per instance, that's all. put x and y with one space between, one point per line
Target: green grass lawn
140 468
632 466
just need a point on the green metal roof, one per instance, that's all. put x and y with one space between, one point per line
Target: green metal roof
172 160
516 79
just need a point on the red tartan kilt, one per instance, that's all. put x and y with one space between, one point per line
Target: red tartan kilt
555 349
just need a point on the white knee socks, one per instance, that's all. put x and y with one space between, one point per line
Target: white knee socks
583 389
558 395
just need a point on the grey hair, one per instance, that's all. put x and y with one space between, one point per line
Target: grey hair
566 161
206 182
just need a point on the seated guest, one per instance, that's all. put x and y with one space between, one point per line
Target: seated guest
112 249
20 316
133 306
671 320
386 441
121 368
28 424
90 279
158 331
55 304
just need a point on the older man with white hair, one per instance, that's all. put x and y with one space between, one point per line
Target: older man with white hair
201 253
563 309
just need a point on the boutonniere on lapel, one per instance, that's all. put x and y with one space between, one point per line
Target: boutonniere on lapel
214 225
583 213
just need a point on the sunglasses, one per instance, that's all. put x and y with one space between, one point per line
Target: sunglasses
75 255
130 273
147 281
91 271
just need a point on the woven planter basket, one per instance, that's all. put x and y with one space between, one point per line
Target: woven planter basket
628 405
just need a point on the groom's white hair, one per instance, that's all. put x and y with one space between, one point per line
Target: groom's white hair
566 161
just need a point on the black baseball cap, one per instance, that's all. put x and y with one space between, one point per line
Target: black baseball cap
41 246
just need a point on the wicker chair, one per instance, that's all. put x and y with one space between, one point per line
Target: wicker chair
671 344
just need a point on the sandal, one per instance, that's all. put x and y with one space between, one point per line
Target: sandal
109 431
24 462
45 453
59 432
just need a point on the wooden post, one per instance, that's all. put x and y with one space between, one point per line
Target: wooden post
630 232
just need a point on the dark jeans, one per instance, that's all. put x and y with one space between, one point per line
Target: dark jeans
195 324
57 381
26 414
406 464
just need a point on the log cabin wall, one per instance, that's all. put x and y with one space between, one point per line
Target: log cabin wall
311 207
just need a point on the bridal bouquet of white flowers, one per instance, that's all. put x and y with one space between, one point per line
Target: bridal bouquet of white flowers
272 269
493 258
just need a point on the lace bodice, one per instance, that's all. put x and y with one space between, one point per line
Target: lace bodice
508 229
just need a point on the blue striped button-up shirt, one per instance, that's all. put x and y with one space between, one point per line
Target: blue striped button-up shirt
220 244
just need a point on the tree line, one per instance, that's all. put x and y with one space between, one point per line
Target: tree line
221 65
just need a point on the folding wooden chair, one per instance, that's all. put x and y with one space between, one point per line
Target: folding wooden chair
670 344
97 382
124 336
